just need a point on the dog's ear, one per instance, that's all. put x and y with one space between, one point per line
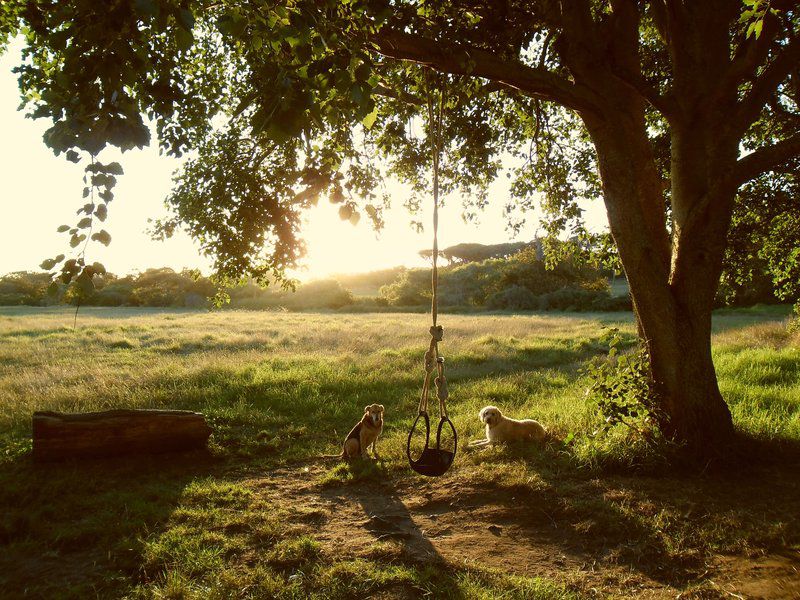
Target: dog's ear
482 411
366 409
381 407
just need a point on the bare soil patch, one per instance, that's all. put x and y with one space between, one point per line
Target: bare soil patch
449 523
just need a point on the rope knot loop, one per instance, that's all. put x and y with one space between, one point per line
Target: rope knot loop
441 388
437 332
430 361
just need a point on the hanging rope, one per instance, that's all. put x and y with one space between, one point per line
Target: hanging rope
434 461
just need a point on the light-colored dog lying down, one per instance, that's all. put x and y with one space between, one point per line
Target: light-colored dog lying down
500 428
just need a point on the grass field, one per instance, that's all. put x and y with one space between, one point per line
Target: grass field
258 516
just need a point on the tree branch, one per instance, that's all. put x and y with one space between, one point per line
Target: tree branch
768 158
750 53
459 60
766 84
624 48
401 95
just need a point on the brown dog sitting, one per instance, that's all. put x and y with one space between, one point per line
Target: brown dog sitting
365 432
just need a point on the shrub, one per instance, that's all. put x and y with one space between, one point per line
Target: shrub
502 283
24 287
514 298
620 386
408 290
572 299
326 293
612 303
794 322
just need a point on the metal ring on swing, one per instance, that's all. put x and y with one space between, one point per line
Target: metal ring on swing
433 462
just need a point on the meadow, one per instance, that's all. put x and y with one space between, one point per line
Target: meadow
260 515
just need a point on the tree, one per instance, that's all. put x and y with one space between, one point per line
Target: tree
762 260
589 95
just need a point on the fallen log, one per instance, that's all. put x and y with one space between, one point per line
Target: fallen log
58 436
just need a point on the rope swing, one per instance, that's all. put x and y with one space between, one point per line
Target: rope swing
434 461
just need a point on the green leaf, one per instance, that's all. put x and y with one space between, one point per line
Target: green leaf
62 228
337 195
755 28
184 39
186 18
362 72
73 156
101 212
345 212
369 120
85 222
103 237
84 282
147 8
114 168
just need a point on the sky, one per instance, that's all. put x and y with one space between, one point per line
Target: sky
40 191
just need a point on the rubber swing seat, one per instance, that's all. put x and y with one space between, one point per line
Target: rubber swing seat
433 462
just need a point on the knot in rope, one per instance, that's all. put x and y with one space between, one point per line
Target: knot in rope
430 360
441 387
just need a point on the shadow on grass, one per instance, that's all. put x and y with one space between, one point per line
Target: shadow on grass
74 528
664 524
280 407
386 515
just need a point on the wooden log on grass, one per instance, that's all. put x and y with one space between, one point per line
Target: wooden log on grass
58 436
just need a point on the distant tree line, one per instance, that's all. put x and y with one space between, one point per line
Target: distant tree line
473 252
520 282
477 277
154 287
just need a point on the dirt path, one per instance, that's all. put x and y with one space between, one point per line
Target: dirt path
445 521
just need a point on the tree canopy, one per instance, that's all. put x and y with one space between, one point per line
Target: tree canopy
664 108
265 96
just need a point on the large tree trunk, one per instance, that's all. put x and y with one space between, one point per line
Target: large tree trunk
690 407
672 281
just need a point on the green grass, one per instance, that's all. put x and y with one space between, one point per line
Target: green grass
279 389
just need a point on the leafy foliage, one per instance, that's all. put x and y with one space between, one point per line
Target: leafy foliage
520 282
620 386
281 103
762 262
794 323
473 252
677 105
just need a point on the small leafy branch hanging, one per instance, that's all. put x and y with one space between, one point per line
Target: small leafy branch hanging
99 180
757 10
620 385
